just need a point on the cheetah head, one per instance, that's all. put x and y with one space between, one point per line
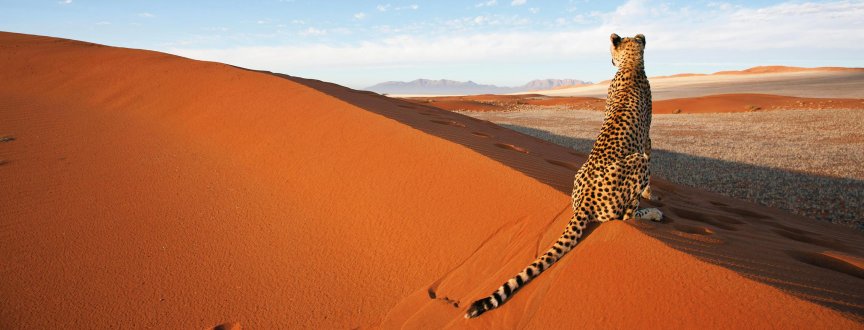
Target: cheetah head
627 49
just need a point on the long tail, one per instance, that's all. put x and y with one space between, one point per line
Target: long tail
565 243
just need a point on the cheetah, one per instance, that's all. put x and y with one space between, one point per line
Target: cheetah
609 184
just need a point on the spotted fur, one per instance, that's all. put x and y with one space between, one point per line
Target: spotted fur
609 184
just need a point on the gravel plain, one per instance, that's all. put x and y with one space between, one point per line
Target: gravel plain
808 162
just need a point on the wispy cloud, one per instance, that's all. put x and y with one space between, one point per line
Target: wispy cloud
360 15
718 31
518 2
389 7
311 31
64 2
489 3
146 15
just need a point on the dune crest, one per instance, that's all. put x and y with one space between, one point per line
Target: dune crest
148 190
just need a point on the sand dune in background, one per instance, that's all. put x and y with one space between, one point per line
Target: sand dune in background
703 104
147 190
817 83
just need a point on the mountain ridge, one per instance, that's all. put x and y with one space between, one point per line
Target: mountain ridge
446 86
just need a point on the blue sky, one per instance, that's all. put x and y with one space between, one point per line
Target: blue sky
503 42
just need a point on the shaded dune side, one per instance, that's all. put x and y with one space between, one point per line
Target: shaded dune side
157 191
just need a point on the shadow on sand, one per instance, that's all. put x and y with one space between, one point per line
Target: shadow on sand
831 199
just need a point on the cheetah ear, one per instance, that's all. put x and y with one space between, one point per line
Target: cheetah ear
641 38
616 40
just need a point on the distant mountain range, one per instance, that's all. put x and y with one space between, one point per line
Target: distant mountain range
451 87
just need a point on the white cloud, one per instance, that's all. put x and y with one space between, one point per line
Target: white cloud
103 23
64 2
787 29
146 15
360 15
518 2
786 25
534 10
311 31
489 3
389 7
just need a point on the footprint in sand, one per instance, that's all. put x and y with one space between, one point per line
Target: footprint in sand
447 300
481 134
704 218
228 326
511 147
829 260
7 139
693 229
696 233
814 239
569 166
448 122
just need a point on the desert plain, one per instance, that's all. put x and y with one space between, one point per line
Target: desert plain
147 190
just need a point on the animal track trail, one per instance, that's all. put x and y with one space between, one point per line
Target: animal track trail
745 213
448 122
432 290
511 147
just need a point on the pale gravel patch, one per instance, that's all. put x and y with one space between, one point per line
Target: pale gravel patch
808 162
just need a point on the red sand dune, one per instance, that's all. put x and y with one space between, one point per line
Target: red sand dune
145 190
783 69
751 102
762 70
704 104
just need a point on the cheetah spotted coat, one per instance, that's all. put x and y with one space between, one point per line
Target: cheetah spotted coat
609 184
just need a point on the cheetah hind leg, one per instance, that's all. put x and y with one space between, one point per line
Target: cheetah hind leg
638 163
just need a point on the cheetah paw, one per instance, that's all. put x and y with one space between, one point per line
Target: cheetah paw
652 214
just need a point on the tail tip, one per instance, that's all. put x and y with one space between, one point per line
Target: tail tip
477 308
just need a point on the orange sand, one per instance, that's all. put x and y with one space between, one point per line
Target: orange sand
145 190
764 69
781 69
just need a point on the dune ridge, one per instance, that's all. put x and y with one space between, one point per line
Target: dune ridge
149 190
